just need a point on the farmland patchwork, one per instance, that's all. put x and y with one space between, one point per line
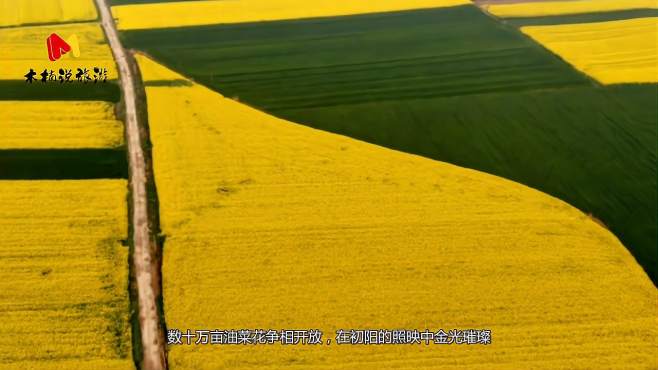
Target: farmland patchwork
63 212
455 85
293 227
375 57
336 164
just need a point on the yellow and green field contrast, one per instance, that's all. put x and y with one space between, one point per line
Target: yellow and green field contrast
64 287
64 275
547 8
624 51
24 12
270 224
59 124
195 13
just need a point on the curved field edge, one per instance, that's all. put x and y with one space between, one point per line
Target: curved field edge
488 98
305 228
594 148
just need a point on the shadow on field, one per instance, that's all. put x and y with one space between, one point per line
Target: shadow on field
168 83
63 164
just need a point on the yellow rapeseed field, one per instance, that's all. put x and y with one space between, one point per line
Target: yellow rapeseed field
59 124
179 14
612 52
271 224
64 275
25 48
21 12
546 8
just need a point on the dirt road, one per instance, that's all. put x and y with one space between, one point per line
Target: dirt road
153 348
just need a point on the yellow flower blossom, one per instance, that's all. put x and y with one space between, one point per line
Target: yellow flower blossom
59 124
622 51
547 8
271 224
22 12
64 275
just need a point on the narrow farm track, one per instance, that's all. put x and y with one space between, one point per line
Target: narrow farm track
146 274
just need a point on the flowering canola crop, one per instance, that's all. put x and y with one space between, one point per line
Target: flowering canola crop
621 51
16 13
59 124
270 224
64 275
547 8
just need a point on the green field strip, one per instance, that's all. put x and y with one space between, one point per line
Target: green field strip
331 61
582 18
21 90
63 164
